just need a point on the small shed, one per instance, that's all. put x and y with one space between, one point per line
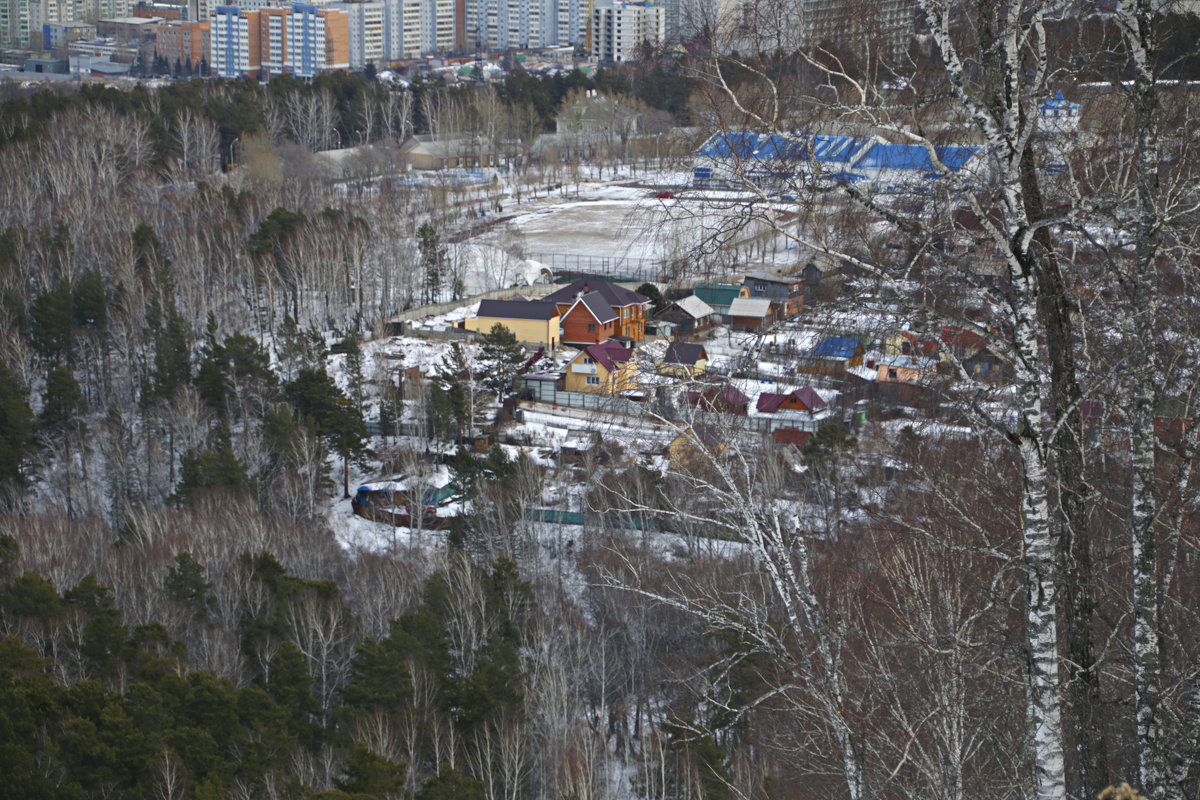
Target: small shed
833 355
751 314
688 315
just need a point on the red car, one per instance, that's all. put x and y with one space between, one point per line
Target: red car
665 195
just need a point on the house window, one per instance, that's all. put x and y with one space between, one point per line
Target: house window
593 380
891 373
588 360
591 328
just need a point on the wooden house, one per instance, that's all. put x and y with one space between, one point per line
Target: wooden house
804 399
727 399
629 309
751 314
695 447
609 367
688 316
785 291
531 321
832 356
683 359
589 320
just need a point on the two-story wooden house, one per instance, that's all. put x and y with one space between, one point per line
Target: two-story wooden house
785 291
608 367
629 309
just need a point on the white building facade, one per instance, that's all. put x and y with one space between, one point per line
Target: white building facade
619 29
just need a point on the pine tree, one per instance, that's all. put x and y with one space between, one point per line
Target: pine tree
433 262
215 468
501 359
354 368
332 416
16 426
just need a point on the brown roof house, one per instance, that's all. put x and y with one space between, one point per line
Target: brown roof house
696 446
609 367
629 308
683 359
804 399
727 399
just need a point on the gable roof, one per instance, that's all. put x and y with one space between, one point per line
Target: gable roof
694 307
613 294
596 306
838 348
768 401
608 354
517 309
732 396
750 307
684 353
718 294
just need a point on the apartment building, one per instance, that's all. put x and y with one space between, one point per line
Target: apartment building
236 40
618 29
369 35
503 24
318 40
885 26
182 42
568 21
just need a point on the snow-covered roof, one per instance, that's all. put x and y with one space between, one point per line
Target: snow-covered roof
750 307
694 307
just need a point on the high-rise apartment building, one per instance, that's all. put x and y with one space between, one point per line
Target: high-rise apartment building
619 29
235 37
886 27
375 31
503 24
570 18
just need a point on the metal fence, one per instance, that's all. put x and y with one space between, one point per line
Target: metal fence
662 408
619 268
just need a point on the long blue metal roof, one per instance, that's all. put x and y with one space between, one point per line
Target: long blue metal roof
743 144
915 157
854 152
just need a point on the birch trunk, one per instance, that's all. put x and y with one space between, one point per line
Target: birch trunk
1140 328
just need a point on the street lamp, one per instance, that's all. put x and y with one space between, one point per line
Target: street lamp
338 134
231 146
